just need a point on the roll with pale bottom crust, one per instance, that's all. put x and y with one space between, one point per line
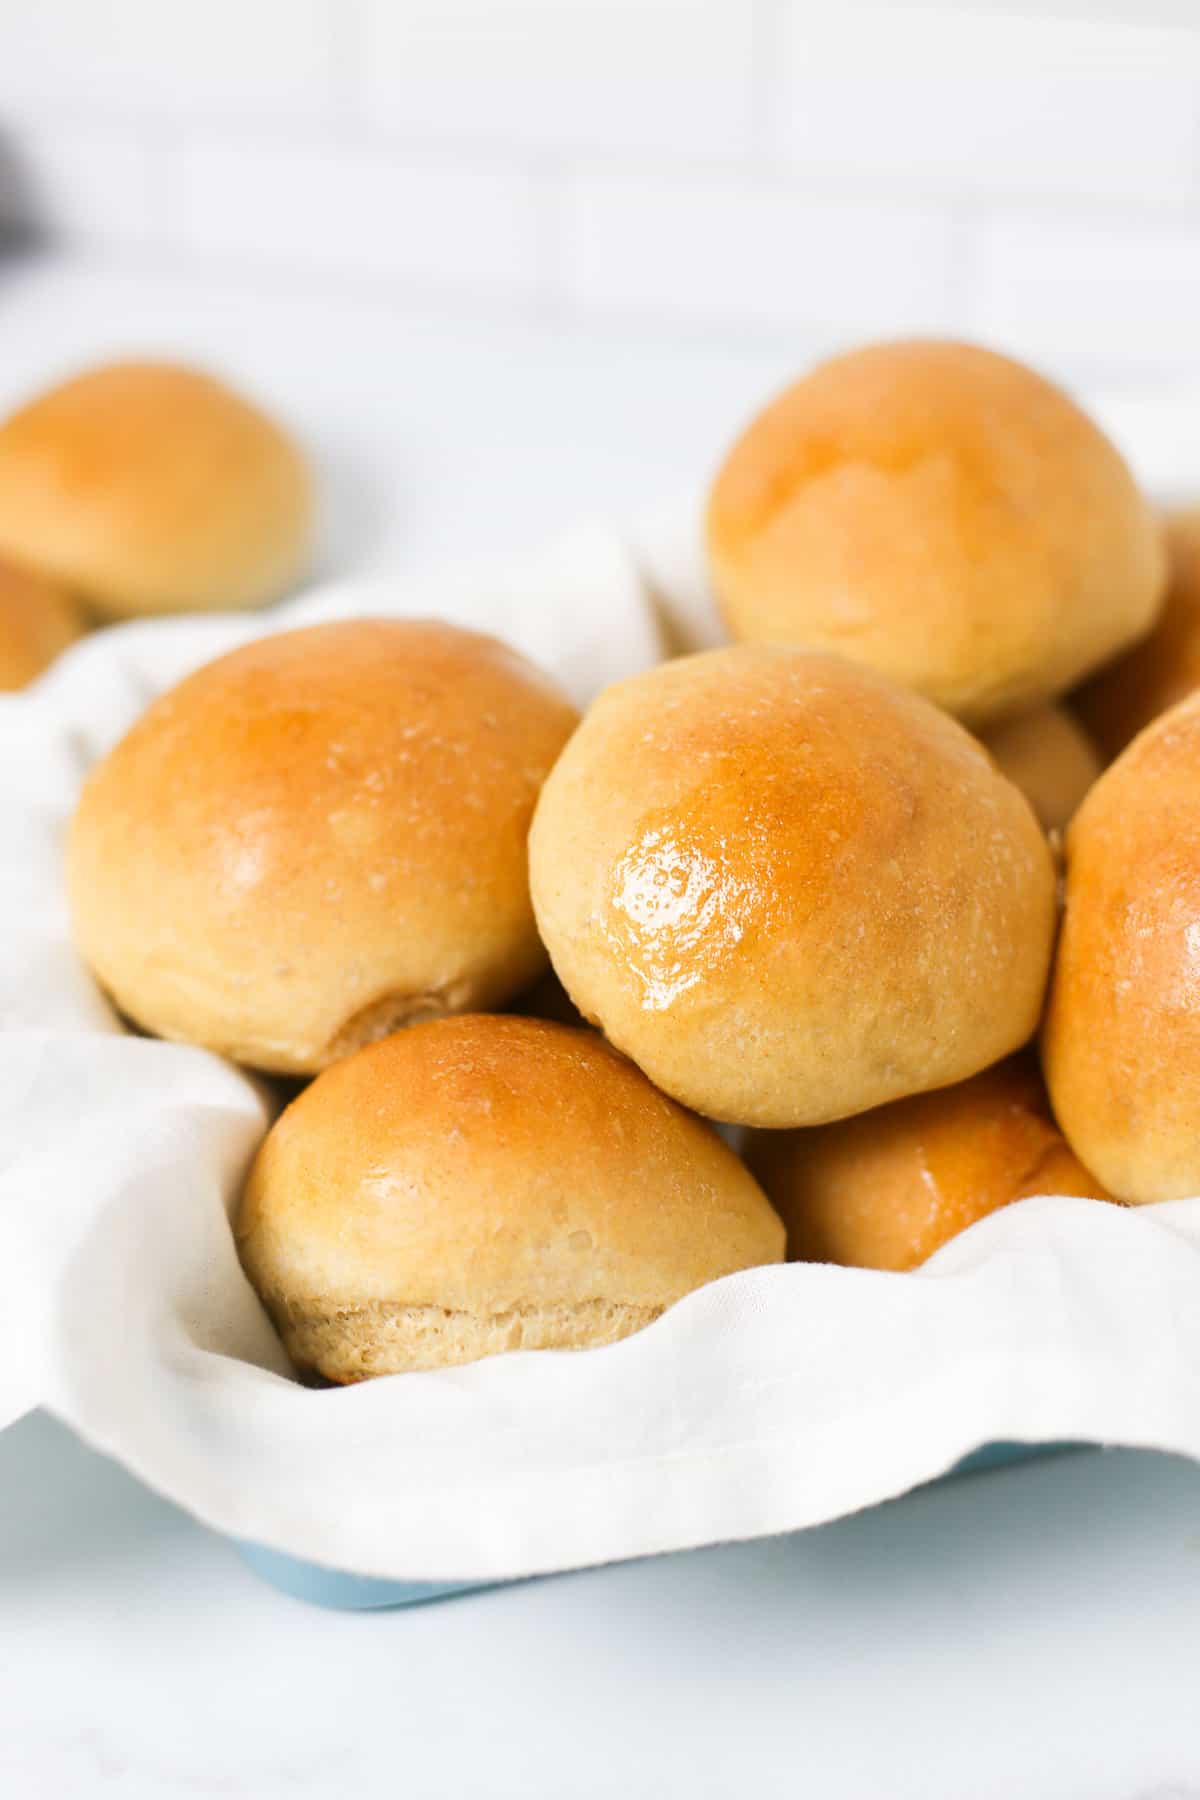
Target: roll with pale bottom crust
483 1184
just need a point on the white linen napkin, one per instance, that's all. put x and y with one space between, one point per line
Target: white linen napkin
771 1400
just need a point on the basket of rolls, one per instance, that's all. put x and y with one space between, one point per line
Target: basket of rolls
491 1087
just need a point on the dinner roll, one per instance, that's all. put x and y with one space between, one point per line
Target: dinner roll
1124 697
1121 1045
789 889
888 1188
147 487
37 620
484 1184
1050 757
318 838
940 513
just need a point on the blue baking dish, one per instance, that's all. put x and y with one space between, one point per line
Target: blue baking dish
365 1593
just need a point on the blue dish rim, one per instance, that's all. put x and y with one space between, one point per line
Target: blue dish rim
341 1591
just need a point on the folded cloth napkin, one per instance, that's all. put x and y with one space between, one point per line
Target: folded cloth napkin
774 1399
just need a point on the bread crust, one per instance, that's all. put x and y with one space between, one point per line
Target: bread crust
1049 756
888 1188
318 838
789 889
486 1183
38 620
150 487
943 514
1165 668
1121 1043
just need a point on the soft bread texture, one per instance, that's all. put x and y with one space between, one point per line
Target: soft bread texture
1121 1044
788 889
318 838
1049 756
483 1184
146 487
887 1189
38 619
1126 696
942 514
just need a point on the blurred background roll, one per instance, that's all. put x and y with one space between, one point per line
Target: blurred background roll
150 487
38 619
1050 757
943 514
1164 668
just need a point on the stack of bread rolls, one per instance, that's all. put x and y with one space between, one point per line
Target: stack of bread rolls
812 885
141 487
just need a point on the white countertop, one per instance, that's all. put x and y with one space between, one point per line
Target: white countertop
1030 1632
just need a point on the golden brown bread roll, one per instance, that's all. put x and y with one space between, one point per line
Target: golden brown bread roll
1048 755
38 619
484 1184
1165 668
147 487
888 1188
317 838
1121 1043
942 514
789 889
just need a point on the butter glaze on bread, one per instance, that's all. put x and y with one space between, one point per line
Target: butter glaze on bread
788 889
147 487
1121 1042
942 514
888 1188
483 1184
317 838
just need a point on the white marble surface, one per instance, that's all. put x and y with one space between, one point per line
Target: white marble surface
1031 1632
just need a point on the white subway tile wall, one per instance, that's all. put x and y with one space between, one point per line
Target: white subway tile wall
424 218
635 76
958 101
726 249
1023 171
1043 283
255 57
